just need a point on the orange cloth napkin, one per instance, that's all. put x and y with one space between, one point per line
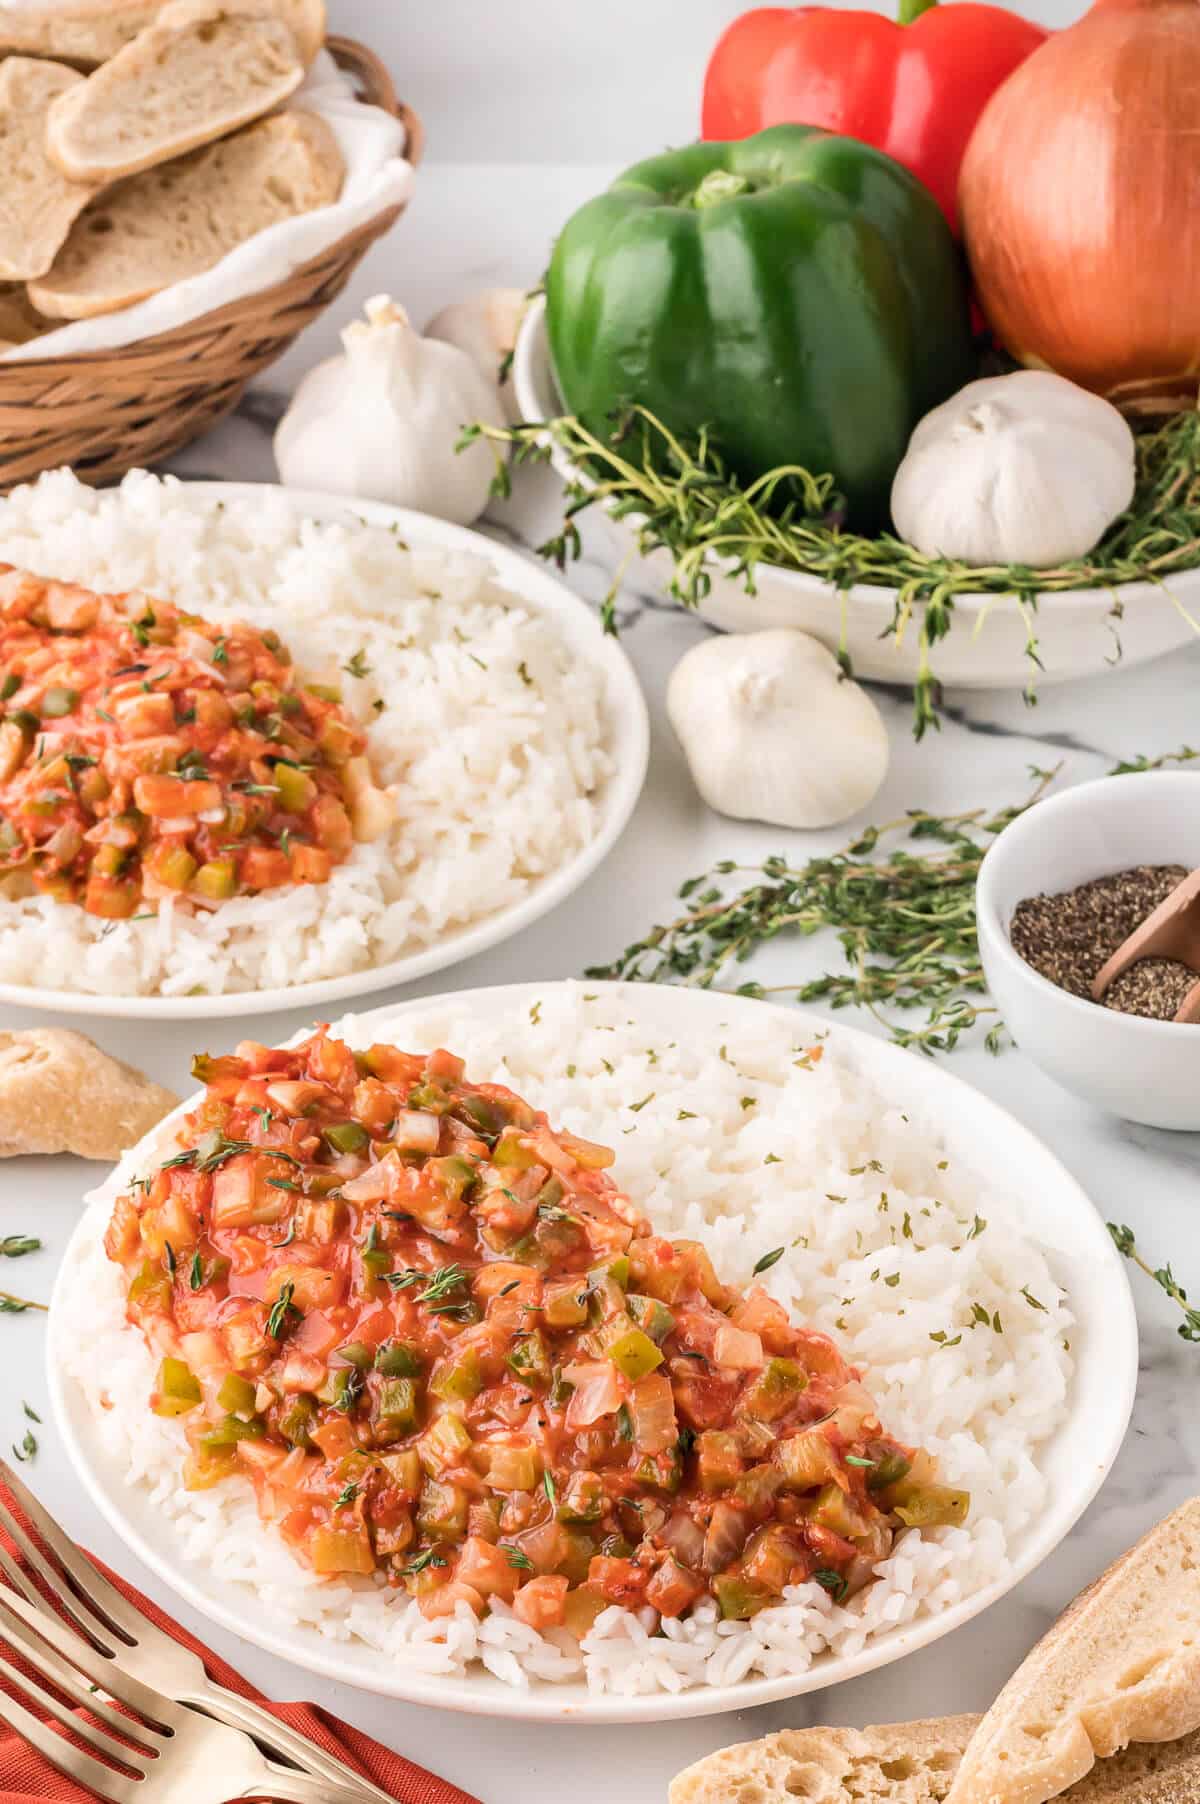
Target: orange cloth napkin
25 1776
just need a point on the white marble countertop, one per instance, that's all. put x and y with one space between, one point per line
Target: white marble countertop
470 226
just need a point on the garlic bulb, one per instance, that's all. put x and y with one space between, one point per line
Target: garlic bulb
774 732
383 419
485 325
1021 469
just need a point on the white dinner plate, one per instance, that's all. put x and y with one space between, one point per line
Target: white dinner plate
1053 1210
1080 632
629 749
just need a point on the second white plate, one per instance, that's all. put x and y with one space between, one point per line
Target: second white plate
629 748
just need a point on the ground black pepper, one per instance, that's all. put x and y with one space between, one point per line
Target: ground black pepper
1068 937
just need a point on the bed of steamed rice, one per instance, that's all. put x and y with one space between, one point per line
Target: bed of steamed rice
748 1146
493 736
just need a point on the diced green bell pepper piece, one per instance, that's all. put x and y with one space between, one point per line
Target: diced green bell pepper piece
296 788
775 1390
396 1359
151 1287
530 1358
216 880
460 1381
297 1421
346 1137
397 1405
455 1175
512 1152
662 1470
231 1430
653 1316
566 1305
888 1471
442 1511
355 1353
631 1350
739 1598
178 1389
236 1396
617 1269
932 1506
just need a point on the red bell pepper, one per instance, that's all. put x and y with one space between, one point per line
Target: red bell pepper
913 89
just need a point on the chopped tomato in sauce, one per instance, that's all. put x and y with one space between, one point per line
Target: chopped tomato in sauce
442 1344
146 753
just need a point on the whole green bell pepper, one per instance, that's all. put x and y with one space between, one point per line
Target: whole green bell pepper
798 293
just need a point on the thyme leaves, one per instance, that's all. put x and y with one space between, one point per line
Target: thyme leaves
901 899
1126 1244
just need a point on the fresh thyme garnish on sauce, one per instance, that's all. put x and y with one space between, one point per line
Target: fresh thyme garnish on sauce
280 1310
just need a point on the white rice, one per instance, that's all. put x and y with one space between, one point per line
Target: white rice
771 1152
492 733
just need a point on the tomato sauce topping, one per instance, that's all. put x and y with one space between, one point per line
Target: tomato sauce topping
146 753
443 1345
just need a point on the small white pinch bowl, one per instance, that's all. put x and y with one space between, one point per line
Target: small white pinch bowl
1144 1071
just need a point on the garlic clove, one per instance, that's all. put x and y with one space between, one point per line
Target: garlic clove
485 325
772 731
384 420
1019 469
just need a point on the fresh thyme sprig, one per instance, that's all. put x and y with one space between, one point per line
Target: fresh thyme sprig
906 922
1164 1277
680 497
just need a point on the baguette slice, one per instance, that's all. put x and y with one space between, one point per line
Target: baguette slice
80 31
199 72
178 220
1121 1664
912 1763
901 1763
38 206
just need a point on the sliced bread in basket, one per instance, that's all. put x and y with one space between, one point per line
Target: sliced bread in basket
201 70
79 31
38 205
179 219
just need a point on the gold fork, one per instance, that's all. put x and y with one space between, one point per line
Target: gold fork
163 1754
133 1645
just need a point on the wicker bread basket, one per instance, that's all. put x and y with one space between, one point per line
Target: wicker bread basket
107 412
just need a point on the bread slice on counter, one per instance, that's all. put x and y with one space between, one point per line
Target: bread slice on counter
902 1763
176 221
912 1763
201 70
1122 1664
79 31
38 205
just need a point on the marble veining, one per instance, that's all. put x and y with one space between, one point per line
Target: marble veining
475 224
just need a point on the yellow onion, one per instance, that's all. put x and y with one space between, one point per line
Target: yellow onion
1080 201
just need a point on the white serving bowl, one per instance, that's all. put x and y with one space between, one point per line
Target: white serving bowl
1077 633
1145 1071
